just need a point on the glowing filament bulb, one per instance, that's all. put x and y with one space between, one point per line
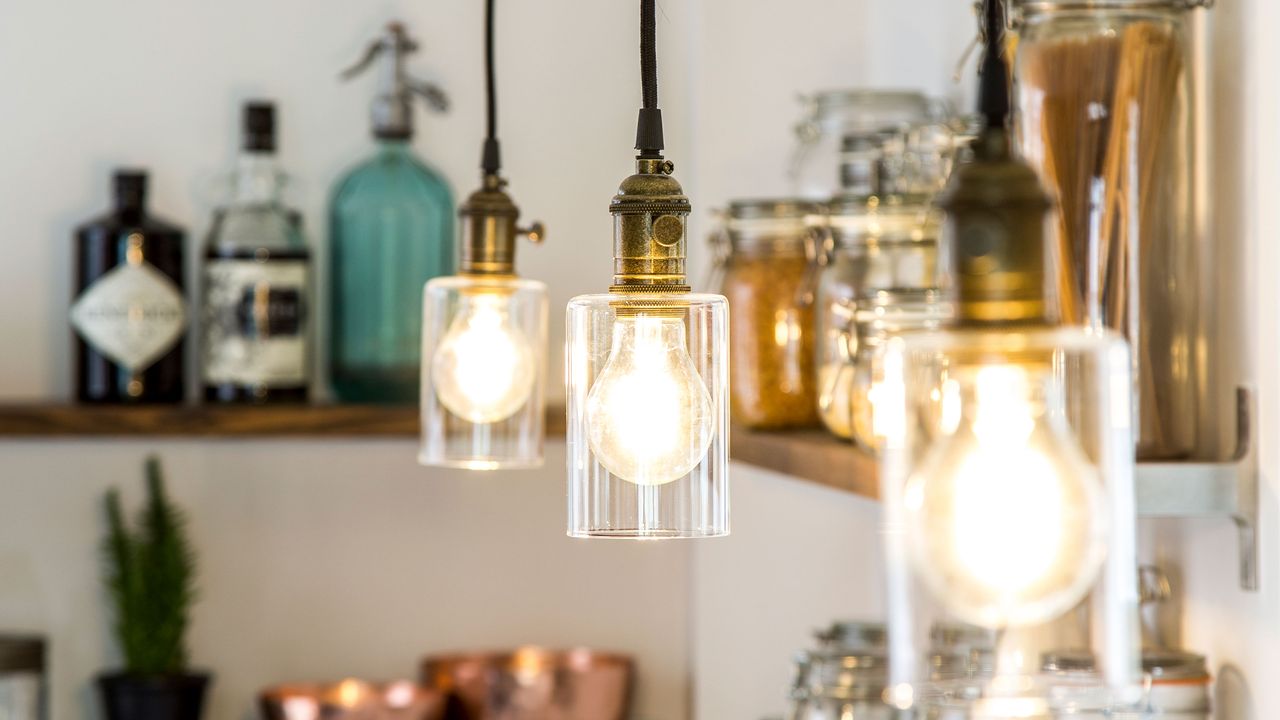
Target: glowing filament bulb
1005 514
648 413
483 370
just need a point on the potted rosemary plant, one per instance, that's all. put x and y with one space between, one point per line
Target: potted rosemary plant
150 579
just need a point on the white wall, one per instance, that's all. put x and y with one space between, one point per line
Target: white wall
335 559
800 556
1241 631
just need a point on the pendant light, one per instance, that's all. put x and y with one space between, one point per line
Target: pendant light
485 331
647 367
1008 465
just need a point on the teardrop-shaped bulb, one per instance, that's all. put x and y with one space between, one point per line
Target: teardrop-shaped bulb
483 370
1005 515
649 413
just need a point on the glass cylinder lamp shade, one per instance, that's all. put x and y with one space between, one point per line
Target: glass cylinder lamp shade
483 373
1007 480
648 415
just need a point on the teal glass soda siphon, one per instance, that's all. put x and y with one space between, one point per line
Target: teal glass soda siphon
391 230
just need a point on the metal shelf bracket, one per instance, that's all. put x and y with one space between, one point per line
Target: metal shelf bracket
1207 489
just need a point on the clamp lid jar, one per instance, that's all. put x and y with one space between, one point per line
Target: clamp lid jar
765 265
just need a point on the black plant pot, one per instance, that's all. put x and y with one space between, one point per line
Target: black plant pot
159 697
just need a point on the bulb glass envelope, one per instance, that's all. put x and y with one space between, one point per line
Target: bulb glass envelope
1007 480
483 372
647 385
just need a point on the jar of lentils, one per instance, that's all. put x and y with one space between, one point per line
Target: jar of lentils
766 264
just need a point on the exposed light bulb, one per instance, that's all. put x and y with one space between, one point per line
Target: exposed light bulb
483 370
648 413
1005 516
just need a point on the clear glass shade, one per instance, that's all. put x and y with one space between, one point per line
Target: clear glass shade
648 416
483 372
1007 479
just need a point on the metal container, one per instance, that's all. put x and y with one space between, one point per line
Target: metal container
532 683
22 678
352 699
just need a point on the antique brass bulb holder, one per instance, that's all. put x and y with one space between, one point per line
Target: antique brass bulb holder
489 230
995 217
650 215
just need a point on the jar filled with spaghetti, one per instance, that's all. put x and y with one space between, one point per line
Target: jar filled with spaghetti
1105 93
877 319
762 250
869 245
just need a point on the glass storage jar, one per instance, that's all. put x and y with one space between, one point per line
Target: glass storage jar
1105 113
866 245
841 138
764 267
845 677
885 314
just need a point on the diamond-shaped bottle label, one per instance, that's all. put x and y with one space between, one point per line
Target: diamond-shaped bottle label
133 314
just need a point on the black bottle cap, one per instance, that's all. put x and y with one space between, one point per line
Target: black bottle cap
130 189
260 126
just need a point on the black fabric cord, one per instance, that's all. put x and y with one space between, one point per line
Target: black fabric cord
490 160
993 90
649 124
649 54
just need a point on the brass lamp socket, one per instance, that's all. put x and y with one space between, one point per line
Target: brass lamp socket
650 217
489 230
995 216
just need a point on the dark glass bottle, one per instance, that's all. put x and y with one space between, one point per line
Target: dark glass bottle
130 313
255 343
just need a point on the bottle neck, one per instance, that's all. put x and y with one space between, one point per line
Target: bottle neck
257 179
394 147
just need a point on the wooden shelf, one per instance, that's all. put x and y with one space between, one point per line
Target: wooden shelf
208 421
809 455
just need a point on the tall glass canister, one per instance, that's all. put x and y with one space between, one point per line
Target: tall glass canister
1105 111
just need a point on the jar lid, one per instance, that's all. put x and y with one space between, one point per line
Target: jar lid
848 676
870 110
1068 661
767 223
1174 666
769 208
1035 6
958 634
853 634
860 221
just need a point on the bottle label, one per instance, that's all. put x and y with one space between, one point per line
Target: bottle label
255 326
133 314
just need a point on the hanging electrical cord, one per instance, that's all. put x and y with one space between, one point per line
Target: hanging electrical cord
491 159
649 124
993 91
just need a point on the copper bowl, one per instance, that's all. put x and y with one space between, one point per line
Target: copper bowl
532 683
351 699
